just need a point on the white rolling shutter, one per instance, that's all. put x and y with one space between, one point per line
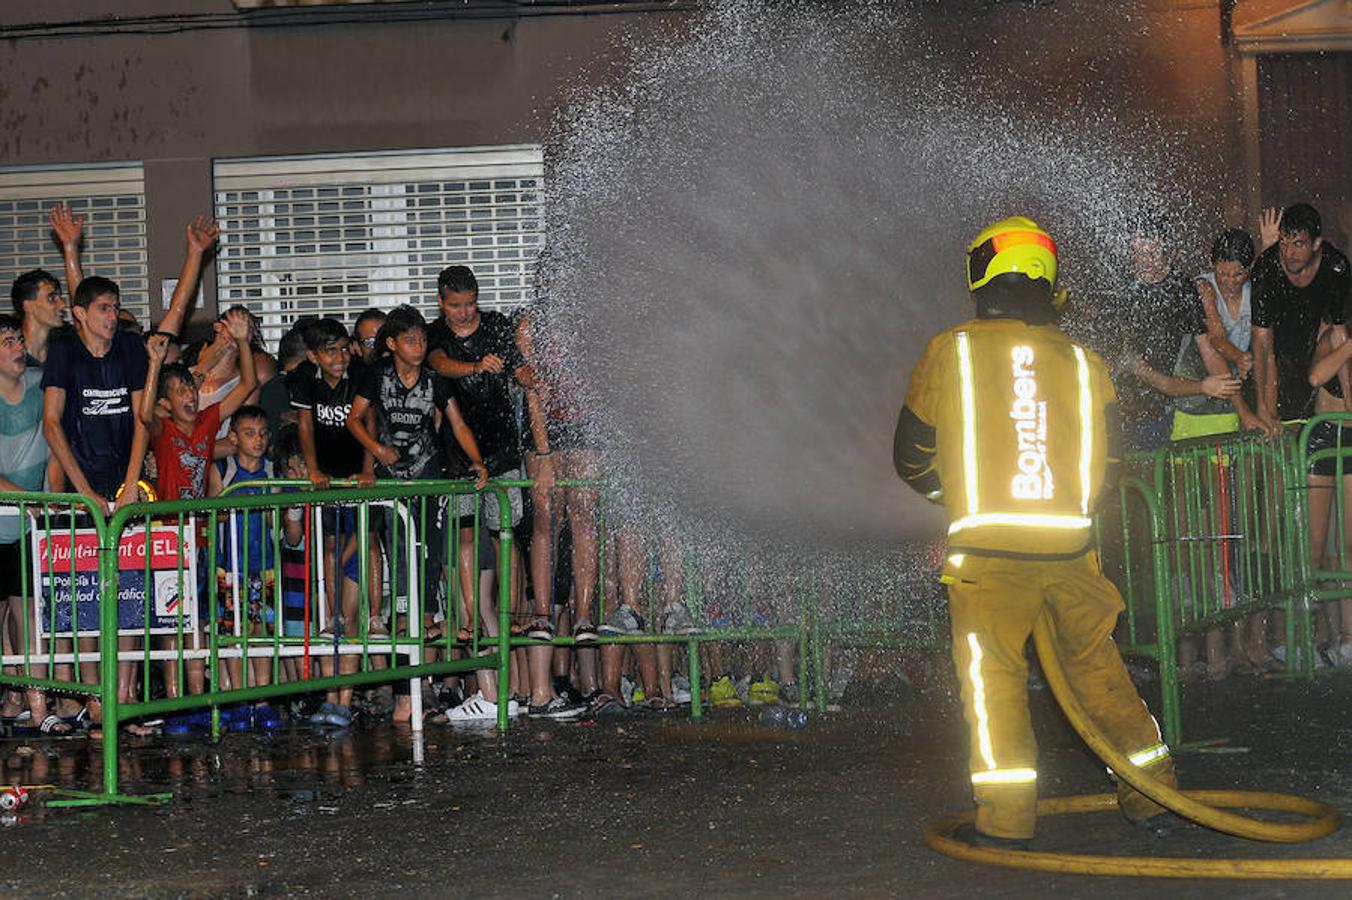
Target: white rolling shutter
112 199
333 235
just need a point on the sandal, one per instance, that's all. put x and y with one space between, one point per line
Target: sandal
659 705
540 629
584 632
54 725
464 636
605 706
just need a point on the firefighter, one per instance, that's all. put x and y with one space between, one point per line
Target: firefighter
1013 428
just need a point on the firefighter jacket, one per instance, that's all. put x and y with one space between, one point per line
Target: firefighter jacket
1013 428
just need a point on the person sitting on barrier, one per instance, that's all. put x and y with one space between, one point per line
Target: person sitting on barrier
184 442
25 465
1226 295
246 557
395 417
1013 428
1335 619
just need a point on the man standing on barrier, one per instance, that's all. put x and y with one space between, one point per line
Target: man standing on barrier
1014 429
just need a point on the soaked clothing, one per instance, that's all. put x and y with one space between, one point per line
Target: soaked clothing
181 460
337 451
1327 435
98 418
994 604
485 400
1011 426
1154 321
23 449
1294 315
405 420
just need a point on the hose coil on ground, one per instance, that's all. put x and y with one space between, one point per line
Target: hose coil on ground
1206 808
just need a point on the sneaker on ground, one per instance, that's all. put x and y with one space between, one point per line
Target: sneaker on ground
339 716
564 688
558 708
321 715
623 620
675 619
479 709
723 694
1279 652
763 691
626 690
743 690
680 689
266 718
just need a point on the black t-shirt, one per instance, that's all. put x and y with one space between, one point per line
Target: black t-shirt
405 420
338 453
98 418
485 400
1294 315
1154 320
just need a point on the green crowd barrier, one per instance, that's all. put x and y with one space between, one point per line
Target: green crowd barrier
1205 533
1326 569
736 615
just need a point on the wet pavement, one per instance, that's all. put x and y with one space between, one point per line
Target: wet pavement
644 806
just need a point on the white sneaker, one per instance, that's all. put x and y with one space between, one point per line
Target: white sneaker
478 709
680 689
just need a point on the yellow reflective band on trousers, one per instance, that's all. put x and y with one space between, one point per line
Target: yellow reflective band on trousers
1005 776
1149 755
994 603
983 728
1030 432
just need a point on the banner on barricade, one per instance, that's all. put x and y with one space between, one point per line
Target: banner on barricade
173 580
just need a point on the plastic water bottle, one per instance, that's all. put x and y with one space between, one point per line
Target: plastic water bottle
777 716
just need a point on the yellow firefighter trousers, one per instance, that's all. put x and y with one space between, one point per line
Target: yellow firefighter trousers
994 603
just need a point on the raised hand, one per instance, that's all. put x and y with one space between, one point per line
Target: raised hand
239 324
69 228
1268 232
157 345
202 232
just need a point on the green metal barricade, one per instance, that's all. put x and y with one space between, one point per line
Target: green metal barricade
1320 507
174 635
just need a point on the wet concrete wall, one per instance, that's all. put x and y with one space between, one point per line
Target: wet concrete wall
176 100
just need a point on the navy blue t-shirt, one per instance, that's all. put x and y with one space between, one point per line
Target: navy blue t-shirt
99 420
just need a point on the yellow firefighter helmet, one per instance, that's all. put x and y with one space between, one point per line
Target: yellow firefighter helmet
1016 244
